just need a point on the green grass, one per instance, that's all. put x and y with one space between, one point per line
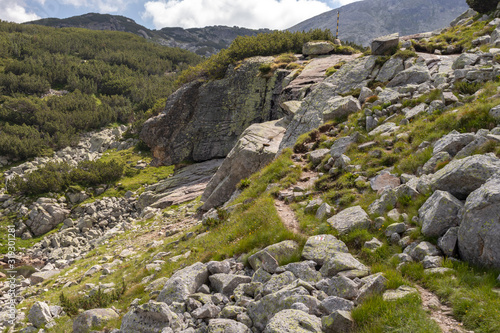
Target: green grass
404 315
468 290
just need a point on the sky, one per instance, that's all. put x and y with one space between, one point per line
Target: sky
157 14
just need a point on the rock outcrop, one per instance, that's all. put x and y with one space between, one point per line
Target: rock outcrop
203 121
256 148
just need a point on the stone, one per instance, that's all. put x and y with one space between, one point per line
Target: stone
465 59
184 185
317 48
479 230
304 270
453 142
325 210
432 163
316 156
256 147
401 292
151 317
338 322
226 326
321 247
226 283
350 219
39 314
461 177
278 281
495 113
385 45
340 107
342 162
334 303
264 260
206 311
90 319
261 276
388 127
439 213
364 94
390 68
448 243
472 147
46 218
203 120
343 287
432 262
397 228
263 310
415 111
293 321
215 267
279 251
313 206
339 262
414 75
184 283
373 284
373 244
383 181
39 277
422 250
231 311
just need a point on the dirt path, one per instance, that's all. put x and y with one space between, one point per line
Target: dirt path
440 313
287 215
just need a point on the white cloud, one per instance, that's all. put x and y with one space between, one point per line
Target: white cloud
273 14
103 6
15 11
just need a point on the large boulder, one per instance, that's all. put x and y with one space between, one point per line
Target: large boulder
94 318
439 213
184 185
226 326
203 121
226 283
385 45
390 68
256 148
263 310
43 218
414 75
453 142
184 283
339 107
317 48
461 177
279 251
151 317
39 314
340 262
465 59
350 219
321 247
293 321
479 232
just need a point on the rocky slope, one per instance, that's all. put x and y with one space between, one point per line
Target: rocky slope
203 41
362 21
387 181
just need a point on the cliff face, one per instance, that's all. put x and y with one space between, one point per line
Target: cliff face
202 121
362 21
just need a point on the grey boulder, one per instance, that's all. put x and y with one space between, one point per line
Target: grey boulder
439 213
293 321
350 219
151 317
385 44
94 318
321 247
479 233
184 283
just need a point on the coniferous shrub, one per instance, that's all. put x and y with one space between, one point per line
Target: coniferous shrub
483 6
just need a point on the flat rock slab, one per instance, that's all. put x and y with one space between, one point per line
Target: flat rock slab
293 321
319 248
350 219
384 181
385 44
39 277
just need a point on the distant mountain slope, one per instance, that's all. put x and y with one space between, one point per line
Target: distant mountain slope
362 21
203 41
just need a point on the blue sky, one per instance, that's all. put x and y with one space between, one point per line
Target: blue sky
156 14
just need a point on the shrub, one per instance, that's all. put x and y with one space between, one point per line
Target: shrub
467 88
482 6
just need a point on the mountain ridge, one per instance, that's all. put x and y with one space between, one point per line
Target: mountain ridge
202 41
362 21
